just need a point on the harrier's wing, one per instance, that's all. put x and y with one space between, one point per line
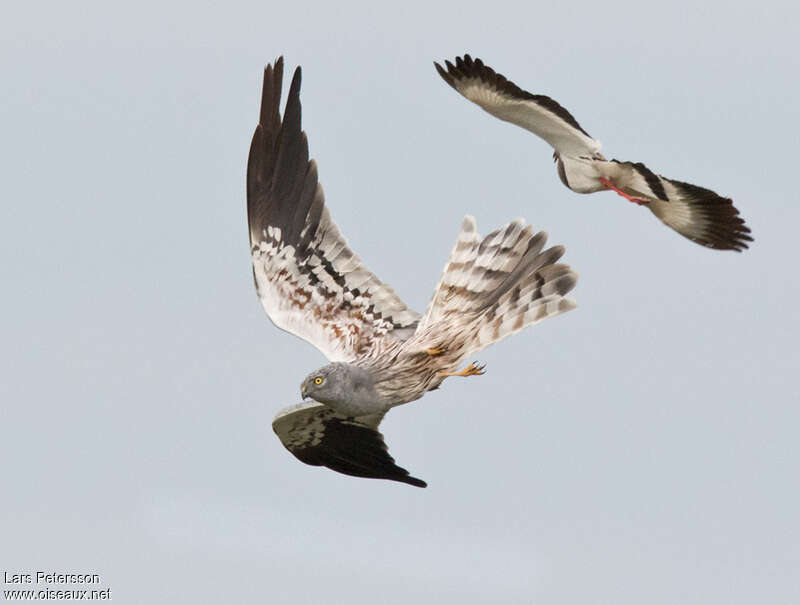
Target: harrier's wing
318 436
541 115
310 283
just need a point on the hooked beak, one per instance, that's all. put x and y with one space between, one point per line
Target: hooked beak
303 391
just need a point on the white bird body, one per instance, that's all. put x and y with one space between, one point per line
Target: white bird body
581 174
696 213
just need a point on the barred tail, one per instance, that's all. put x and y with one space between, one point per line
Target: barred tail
499 284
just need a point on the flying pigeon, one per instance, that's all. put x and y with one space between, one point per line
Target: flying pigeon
697 213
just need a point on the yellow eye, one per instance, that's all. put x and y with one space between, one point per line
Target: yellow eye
318 380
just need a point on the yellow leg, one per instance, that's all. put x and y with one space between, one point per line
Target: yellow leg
434 352
470 370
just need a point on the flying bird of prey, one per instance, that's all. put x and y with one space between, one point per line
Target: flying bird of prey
696 213
382 353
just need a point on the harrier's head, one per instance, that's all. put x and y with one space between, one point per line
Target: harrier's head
347 388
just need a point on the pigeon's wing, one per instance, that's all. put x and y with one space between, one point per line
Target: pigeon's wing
540 114
695 212
309 281
319 436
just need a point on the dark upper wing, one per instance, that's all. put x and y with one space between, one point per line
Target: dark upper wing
539 114
310 283
318 436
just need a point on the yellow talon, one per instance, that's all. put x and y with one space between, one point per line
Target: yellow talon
470 370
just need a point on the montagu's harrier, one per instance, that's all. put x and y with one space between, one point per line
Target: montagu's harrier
696 213
383 354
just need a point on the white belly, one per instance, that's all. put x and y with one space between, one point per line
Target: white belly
582 174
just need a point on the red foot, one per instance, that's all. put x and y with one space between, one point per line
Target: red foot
631 198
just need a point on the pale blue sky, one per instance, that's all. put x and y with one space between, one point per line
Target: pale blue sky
641 449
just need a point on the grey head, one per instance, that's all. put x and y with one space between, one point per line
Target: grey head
344 387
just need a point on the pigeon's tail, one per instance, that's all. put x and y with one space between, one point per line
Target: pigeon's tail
495 286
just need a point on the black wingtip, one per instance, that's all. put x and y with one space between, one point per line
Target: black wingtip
293 98
725 228
415 482
341 444
271 91
445 76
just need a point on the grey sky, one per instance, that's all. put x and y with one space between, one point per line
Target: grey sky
641 449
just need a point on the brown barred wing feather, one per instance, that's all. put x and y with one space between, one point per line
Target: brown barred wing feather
310 282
